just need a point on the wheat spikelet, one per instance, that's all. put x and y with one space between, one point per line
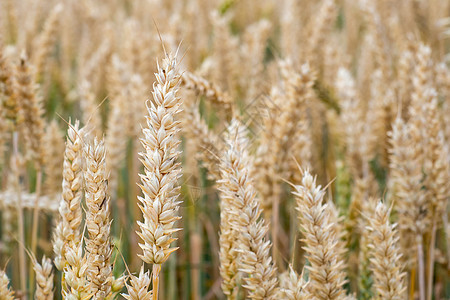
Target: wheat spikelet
322 241
138 287
44 279
385 264
241 205
98 245
5 292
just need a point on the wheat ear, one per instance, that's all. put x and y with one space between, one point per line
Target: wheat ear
385 263
98 245
67 233
159 203
242 208
322 241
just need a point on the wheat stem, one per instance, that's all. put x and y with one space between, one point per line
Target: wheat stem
155 274
421 269
34 234
34 230
431 257
22 266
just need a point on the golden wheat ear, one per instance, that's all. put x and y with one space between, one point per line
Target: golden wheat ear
322 238
241 221
385 262
98 223
159 203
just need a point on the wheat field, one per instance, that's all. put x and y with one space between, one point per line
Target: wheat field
225 149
